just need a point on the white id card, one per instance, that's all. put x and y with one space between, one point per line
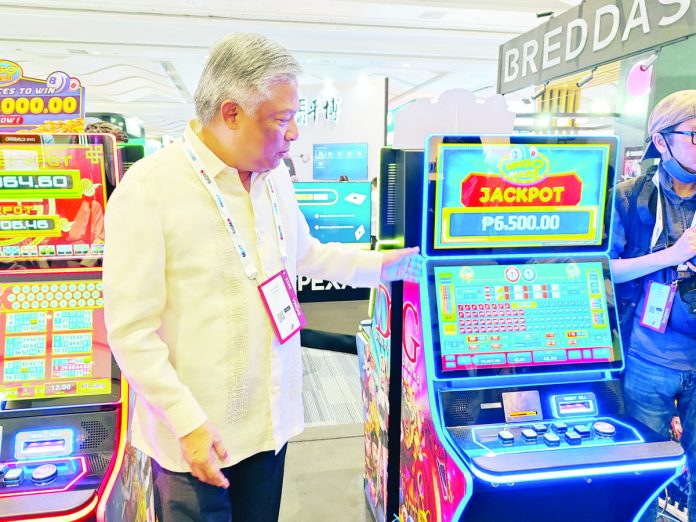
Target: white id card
658 305
282 305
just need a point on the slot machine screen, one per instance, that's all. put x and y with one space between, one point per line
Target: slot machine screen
53 347
526 316
504 193
52 195
336 210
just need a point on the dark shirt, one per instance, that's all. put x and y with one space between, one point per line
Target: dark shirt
670 349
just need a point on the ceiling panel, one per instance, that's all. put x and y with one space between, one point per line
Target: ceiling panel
143 57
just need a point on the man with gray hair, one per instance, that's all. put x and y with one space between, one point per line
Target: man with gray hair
204 240
653 249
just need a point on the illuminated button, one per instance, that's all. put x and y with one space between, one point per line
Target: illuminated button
14 476
486 360
3 469
601 353
44 474
539 428
604 429
529 435
573 438
559 427
72 287
506 437
518 358
582 430
464 360
551 439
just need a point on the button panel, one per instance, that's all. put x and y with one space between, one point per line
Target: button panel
551 435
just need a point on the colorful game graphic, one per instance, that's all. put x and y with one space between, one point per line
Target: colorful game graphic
504 316
52 197
432 485
55 104
336 211
375 371
503 195
53 335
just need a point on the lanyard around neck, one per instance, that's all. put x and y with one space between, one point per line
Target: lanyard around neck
212 187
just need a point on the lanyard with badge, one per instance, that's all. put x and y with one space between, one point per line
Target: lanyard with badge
277 293
660 296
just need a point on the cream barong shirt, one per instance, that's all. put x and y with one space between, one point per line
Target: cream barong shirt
186 325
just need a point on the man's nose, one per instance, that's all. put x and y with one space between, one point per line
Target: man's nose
293 131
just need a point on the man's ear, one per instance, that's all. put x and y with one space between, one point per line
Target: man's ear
659 141
230 112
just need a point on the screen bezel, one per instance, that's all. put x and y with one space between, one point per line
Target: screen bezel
615 365
563 247
52 275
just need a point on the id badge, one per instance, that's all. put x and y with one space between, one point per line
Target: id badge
658 305
283 307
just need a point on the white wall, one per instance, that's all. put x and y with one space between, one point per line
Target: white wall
361 120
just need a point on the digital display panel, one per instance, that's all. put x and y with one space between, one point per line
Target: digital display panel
524 316
52 195
519 192
333 160
53 342
336 211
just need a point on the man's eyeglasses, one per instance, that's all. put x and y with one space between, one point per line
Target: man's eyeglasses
686 133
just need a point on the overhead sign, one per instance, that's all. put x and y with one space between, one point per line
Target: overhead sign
53 105
594 33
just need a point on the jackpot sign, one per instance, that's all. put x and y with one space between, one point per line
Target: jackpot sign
521 195
53 105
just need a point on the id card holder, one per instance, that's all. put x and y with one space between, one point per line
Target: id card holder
658 305
283 307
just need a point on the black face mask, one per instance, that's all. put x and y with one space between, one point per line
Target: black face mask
675 169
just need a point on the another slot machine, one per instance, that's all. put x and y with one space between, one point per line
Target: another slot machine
511 405
63 416
379 339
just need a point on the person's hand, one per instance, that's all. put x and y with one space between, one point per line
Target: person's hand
203 451
684 249
402 264
677 429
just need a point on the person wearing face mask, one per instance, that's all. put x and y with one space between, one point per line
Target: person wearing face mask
653 249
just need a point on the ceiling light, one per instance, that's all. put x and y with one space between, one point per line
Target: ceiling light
585 79
538 92
649 62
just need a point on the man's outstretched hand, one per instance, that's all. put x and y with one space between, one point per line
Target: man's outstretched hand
402 264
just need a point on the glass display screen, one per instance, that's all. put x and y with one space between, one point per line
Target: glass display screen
53 192
519 192
529 316
53 343
333 160
336 211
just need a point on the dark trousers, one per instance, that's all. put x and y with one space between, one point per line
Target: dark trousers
256 484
